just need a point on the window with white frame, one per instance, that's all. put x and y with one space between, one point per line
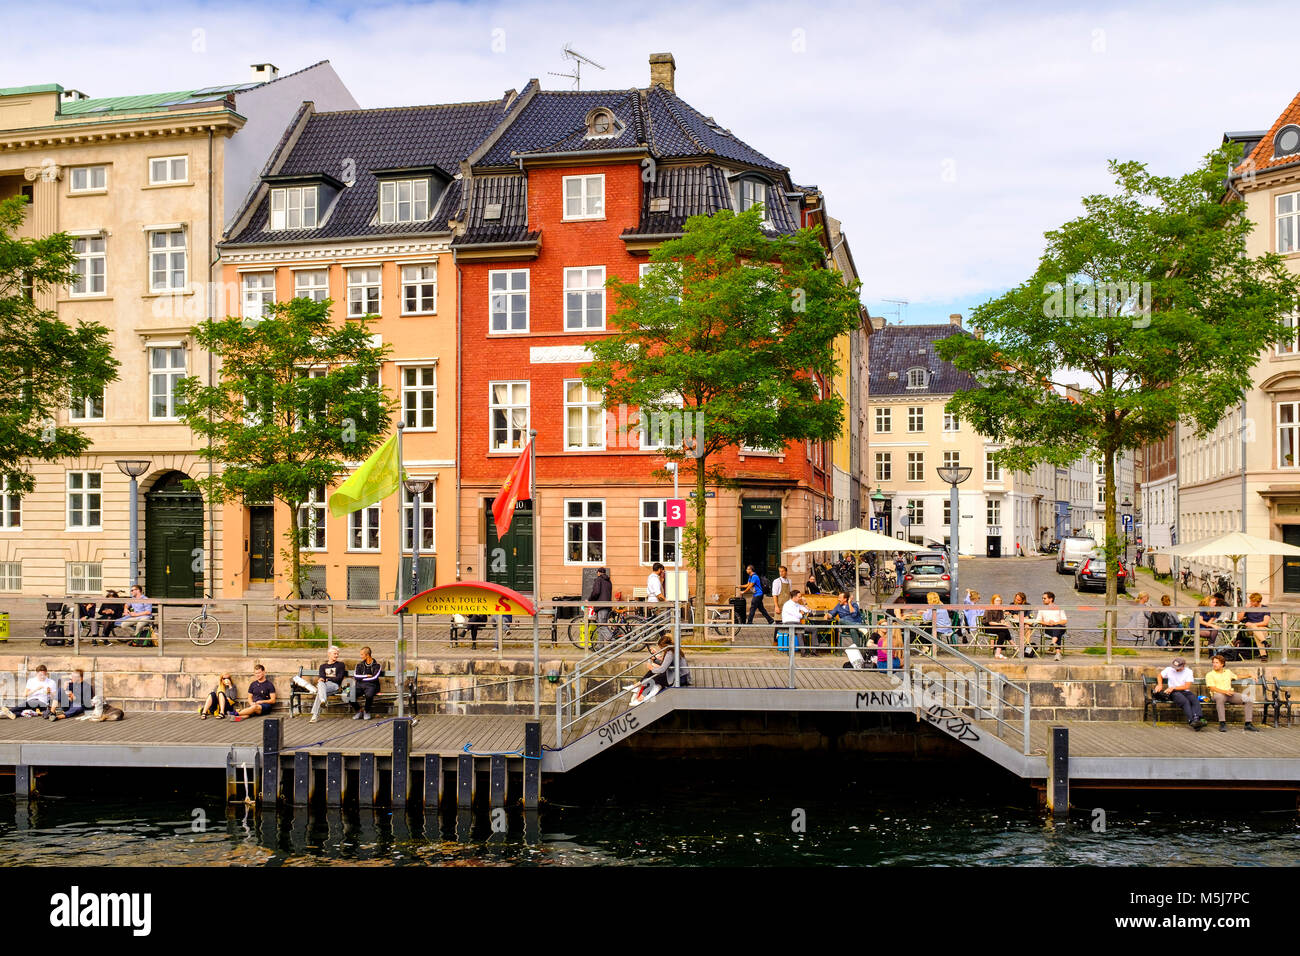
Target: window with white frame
90 265
508 415
884 420
508 300
311 284
1291 344
88 179
916 466
427 517
311 520
294 207
166 369
420 396
11 507
917 378
363 292
644 268
584 417
584 298
952 459
993 512
916 419
884 466
947 512
752 192
584 197
87 407
309 399
167 170
420 289
663 429
85 577
584 522
1288 434
259 292
1288 222
951 423
11 575
363 529
85 500
992 470
917 508
658 541
168 261
404 200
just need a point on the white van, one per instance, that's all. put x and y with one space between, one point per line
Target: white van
1074 551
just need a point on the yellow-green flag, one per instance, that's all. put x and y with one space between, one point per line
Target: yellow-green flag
377 478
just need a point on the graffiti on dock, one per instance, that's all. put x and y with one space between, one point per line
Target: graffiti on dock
952 722
617 729
883 700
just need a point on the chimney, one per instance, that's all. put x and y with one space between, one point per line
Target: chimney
265 72
955 319
662 70
72 96
877 322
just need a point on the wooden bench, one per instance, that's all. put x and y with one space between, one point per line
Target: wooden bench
388 691
1151 704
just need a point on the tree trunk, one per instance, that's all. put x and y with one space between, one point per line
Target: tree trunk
1112 551
701 548
295 558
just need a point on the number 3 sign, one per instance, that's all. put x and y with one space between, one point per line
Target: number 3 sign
676 508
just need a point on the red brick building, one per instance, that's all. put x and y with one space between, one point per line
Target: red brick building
575 188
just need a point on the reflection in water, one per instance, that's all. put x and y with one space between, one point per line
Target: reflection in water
851 812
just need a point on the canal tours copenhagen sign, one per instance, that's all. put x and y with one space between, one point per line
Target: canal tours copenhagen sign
468 597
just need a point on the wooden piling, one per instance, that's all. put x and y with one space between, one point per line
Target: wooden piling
334 774
465 783
532 764
272 734
1058 773
367 781
401 776
497 781
304 781
24 778
432 781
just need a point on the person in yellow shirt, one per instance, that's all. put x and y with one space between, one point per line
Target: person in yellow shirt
1219 683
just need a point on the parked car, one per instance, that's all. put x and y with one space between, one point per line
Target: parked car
920 579
930 557
1074 550
1091 575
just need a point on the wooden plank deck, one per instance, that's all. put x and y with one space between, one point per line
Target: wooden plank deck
1169 740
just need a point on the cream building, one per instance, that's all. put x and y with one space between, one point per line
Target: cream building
144 184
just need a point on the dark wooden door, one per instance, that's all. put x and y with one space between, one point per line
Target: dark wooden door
510 558
261 544
1291 566
175 558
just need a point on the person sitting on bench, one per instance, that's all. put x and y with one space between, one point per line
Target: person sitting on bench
1219 683
330 679
139 612
1181 678
1255 624
261 695
367 678
110 612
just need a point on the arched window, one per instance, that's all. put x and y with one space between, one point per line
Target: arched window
917 378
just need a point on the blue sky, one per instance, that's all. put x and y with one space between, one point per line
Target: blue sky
947 136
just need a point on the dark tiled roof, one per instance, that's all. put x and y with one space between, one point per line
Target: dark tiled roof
555 121
700 191
897 348
677 129
352 143
511 192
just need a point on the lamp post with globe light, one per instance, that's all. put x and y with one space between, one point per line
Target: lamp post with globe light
954 475
133 468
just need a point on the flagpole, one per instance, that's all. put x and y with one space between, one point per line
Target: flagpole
537 580
401 618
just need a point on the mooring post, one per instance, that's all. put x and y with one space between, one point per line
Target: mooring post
401 776
272 734
24 776
532 764
303 779
1058 774
334 780
465 781
432 781
497 781
367 781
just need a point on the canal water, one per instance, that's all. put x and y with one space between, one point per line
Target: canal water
828 811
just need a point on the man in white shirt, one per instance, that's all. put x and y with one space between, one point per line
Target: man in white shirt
40 690
1053 620
654 583
1180 679
792 615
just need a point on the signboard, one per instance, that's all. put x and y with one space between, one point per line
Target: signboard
1127 522
761 508
676 510
828 525
877 524
707 494
675 586
468 597
905 520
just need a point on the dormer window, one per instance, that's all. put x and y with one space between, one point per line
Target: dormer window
750 192
294 207
1287 142
404 200
917 378
602 123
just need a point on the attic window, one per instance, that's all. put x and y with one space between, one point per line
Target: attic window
601 122
404 200
1287 141
917 378
659 204
492 212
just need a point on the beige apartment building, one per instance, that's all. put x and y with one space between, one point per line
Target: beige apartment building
145 186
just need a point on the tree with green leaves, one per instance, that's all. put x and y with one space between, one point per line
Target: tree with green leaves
729 335
44 361
1151 298
297 398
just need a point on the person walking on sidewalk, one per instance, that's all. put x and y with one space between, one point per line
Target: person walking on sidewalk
755 589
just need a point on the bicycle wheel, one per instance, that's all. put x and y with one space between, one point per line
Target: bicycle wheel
580 631
204 630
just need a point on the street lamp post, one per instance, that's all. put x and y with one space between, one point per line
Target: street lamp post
133 468
879 507
415 487
954 475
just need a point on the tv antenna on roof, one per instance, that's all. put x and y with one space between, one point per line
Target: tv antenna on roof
899 312
578 59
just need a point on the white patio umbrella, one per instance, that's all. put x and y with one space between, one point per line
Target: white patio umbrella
857 541
1235 545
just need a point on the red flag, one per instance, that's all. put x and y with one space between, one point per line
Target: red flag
517 487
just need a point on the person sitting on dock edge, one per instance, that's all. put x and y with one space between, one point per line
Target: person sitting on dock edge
1181 678
40 692
261 695
221 701
1219 683
659 672
367 680
78 697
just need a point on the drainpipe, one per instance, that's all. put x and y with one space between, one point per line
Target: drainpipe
212 531
460 310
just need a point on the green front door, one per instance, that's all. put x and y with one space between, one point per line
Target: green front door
1291 566
174 557
510 559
